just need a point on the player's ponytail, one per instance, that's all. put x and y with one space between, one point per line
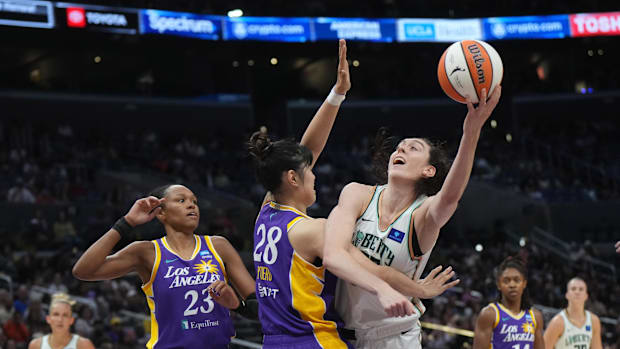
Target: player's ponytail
273 158
259 145
381 150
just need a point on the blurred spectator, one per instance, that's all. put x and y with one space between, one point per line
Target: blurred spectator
15 328
21 300
20 193
35 318
223 226
64 231
6 306
84 323
57 286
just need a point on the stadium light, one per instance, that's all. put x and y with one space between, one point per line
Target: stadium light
235 13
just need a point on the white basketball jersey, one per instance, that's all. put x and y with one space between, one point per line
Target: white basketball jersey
573 336
72 343
393 247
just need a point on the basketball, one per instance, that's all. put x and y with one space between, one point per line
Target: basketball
468 66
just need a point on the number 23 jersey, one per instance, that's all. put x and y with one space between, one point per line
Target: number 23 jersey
183 315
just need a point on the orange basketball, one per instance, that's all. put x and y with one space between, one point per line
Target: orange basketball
468 66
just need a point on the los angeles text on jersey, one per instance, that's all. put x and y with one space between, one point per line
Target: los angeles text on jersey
182 278
512 334
382 255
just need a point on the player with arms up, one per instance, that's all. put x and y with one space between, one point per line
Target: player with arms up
397 225
294 289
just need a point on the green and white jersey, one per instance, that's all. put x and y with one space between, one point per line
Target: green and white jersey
72 344
396 247
575 337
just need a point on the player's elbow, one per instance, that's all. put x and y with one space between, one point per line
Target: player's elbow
330 259
79 272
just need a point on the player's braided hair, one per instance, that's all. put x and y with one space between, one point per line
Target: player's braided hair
521 266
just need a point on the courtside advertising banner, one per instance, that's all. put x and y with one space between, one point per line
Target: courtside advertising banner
294 29
415 29
526 27
24 13
595 24
451 30
98 18
180 23
362 29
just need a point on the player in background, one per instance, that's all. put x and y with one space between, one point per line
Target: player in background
60 319
511 322
574 327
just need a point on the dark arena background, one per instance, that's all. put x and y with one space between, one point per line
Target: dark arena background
96 113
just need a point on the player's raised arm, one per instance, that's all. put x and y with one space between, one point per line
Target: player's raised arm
97 263
437 210
319 128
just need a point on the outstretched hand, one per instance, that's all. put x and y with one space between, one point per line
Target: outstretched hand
436 283
618 247
144 210
343 82
477 116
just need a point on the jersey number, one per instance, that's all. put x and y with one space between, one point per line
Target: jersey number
270 254
518 346
581 346
193 294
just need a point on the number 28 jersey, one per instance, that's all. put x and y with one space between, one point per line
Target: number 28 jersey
295 297
183 315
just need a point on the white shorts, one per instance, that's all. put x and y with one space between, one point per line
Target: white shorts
411 339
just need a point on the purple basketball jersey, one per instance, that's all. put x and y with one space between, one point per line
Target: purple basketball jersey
183 315
513 331
295 297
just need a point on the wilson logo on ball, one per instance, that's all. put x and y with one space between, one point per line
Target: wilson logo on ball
474 49
468 66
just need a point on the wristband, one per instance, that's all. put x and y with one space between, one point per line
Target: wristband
334 98
122 227
248 308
